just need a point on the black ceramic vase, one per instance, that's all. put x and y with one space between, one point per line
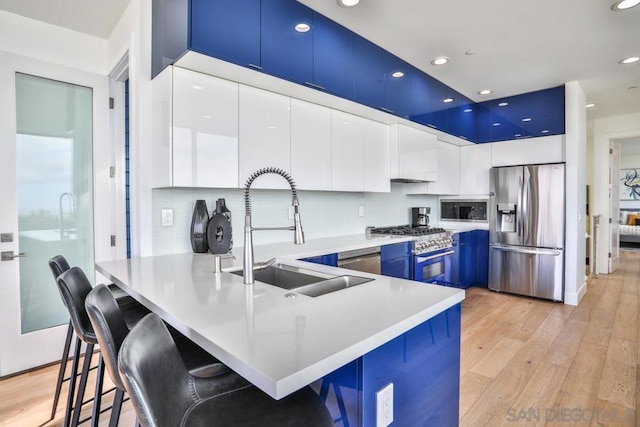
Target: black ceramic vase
199 223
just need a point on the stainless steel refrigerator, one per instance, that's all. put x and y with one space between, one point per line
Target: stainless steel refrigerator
526 230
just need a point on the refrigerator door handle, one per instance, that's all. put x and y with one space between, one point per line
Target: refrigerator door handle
533 251
526 204
521 208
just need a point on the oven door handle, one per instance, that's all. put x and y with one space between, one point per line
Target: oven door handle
427 258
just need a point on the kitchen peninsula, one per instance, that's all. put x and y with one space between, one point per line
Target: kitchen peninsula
355 341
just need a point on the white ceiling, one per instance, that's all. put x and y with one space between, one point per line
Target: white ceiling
519 46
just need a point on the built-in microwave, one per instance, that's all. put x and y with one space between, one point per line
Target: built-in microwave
463 210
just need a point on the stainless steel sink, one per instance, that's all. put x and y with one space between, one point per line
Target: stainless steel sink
331 285
303 281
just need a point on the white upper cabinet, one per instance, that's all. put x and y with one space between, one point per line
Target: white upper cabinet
195 129
417 155
205 130
475 163
448 181
376 157
347 152
310 145
265 136
548 149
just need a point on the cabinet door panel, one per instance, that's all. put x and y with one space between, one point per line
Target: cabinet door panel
549 149
448 170
265 135
377 173
475 163
286 52
205 130
310 145
226 30
370 67
332 57
347 155
418 154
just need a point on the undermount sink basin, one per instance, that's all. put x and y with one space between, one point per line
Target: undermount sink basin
306 282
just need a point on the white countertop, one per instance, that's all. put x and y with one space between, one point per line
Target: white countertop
280 344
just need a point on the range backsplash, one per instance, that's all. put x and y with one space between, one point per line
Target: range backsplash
324 214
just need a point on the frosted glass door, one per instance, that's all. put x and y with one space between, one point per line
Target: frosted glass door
54 191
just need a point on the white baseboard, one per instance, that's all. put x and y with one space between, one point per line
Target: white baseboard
571 298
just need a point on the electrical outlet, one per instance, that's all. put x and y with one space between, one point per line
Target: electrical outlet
384 406
361 210
167 217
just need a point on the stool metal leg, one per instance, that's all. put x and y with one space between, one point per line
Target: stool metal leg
97 396
61 372
82 386
116 407
72 382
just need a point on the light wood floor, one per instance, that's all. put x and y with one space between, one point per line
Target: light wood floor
524 361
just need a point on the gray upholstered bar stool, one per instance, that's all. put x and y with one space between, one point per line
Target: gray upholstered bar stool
165 394
134 312
111 329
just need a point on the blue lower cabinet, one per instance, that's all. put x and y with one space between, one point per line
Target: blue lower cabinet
226 30
329 259
424 366
463 264
395 260
482 257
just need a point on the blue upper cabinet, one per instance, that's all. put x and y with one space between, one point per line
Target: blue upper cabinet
287 52
227 30
528 115
332 57
261 34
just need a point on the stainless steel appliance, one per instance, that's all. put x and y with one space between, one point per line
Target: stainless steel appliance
420 217
463 210
432 250
526 230
367 260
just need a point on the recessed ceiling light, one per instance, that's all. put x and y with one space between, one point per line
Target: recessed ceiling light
624 4
496 124
630 60
302 27
196 87
485 92
447 100
206 116
526 119
348 3
397 74
545 131
590 105
468 110
441 60
503 104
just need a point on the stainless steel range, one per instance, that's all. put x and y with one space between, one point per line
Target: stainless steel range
425 239
433 252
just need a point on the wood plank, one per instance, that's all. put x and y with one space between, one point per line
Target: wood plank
471 388
625 324
497 358
618 384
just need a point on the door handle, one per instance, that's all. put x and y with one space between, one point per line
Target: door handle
9 255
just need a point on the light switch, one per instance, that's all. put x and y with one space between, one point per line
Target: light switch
6 237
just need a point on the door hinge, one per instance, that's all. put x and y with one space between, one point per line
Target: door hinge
609 254
113 240
112 103
610 150
610 221
112 171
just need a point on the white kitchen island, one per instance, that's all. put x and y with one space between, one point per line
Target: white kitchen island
280 343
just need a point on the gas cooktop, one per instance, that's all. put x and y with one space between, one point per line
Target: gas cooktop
407 230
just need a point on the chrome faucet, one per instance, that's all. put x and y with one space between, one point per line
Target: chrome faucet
248 266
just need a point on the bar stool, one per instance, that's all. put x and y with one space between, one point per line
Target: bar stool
58 265
111 329
165 394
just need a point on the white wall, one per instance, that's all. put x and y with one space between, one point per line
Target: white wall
604 131
323 214
576 181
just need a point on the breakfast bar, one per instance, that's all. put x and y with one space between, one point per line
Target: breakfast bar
355 341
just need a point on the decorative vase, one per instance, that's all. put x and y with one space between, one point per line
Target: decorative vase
199 223
221 208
